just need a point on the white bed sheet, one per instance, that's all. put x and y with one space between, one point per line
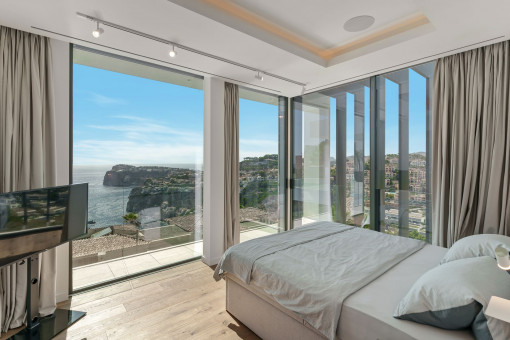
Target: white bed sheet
314 278
368 313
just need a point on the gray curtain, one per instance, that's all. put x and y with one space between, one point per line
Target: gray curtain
471 144
232 228
27 154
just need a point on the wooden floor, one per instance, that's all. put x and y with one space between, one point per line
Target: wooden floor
179 303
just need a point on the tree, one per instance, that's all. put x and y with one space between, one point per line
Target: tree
133 218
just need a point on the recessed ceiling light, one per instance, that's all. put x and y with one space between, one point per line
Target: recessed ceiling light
359 23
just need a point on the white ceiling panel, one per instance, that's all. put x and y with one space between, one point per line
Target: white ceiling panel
458 25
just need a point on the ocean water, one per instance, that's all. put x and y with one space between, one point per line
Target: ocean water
107 204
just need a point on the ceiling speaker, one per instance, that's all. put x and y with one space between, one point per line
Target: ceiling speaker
358 24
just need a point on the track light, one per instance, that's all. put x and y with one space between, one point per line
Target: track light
98 31
172 53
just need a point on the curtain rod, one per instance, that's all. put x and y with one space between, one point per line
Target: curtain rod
183 47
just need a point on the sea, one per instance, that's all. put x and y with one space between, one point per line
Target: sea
107 204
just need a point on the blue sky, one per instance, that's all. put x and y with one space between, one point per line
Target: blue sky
417 117
120 118
417 114
258 129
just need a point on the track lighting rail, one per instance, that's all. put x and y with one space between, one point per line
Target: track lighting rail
185 48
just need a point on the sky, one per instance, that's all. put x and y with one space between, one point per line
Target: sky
258 129
121 118
417 117
417 114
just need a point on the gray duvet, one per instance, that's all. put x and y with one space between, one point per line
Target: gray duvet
313 269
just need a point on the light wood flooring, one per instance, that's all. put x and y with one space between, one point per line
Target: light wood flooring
179 303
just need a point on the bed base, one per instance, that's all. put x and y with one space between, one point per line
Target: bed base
264 317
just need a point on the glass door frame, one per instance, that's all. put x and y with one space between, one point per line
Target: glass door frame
127 277
283 163
377 143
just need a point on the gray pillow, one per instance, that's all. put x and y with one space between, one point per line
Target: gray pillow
475 246
455 295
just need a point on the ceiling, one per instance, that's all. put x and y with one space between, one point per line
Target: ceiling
328 43
451 26
327 17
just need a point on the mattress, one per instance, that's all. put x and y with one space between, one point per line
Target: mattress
368 313
312 270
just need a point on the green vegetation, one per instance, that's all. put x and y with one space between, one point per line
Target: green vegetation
258 181
256 193
416 235
264 163
131 218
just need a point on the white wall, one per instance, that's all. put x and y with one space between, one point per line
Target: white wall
61 79
214 181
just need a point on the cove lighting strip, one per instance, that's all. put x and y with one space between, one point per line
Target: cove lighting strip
183 47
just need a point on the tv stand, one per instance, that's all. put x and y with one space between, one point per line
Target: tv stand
47 327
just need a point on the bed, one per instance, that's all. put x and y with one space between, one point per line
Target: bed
280 294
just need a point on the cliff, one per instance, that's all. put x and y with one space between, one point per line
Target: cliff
166 192
172 201
123 175
172 190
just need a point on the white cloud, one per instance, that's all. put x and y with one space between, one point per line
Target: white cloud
135 118
146 128
104 100
139 141
132 125
145 141
115 152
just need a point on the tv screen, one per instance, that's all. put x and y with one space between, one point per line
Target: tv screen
32 221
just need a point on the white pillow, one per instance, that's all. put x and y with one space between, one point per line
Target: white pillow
455 296
475 246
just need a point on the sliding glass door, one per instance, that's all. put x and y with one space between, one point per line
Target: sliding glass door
137 141
361 154
261 133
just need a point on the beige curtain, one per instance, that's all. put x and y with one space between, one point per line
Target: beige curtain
27 154
232 228
471 144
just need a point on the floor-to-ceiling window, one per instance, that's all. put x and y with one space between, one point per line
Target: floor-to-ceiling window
137 141
361 153
260 137
331 156
403 151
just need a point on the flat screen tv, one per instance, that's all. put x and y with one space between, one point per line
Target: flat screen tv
32 221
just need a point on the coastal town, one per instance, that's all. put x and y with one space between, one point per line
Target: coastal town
417 193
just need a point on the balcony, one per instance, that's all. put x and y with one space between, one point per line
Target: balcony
118 268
